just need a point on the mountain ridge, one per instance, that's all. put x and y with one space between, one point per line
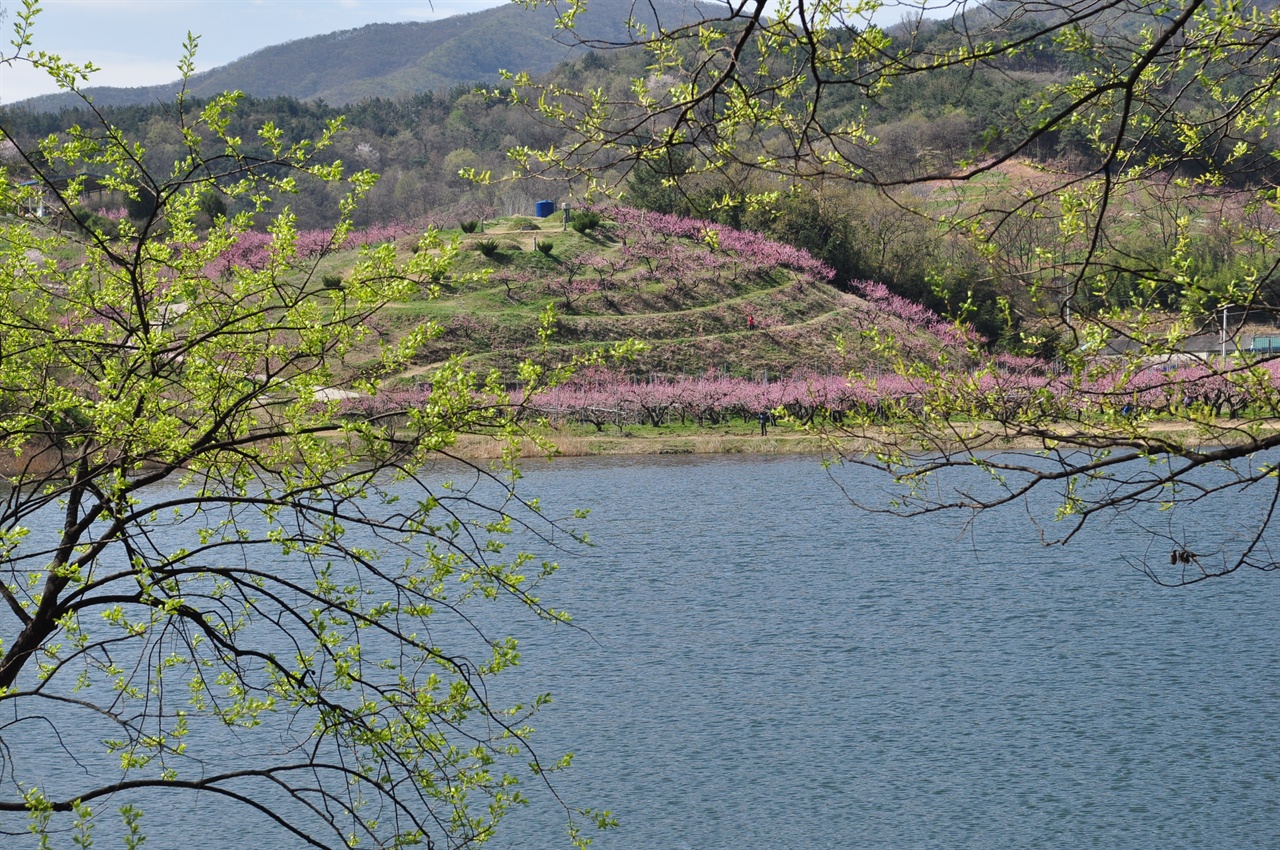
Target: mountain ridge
392 59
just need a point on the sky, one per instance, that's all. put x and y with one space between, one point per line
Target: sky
139 42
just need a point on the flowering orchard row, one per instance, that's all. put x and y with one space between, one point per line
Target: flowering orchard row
915 317
705 249
603 398
756 252
252 249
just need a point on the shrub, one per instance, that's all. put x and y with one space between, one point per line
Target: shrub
212 206
468 226
331 281
585 220
96 222
544 245
488 247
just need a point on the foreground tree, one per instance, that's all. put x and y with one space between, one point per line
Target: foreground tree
220 592
1123 192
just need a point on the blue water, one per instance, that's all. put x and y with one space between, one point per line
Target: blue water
756 664
767 667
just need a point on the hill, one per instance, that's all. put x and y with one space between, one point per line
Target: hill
732 329
386 60
701 297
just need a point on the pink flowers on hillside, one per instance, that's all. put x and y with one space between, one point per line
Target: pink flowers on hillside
915 316
709 251
252 249
754 251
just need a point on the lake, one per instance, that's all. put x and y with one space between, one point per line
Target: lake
764 666
758 664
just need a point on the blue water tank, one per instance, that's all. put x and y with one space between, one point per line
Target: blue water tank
542 209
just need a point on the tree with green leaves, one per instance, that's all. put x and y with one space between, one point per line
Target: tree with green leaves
224 590
1119 178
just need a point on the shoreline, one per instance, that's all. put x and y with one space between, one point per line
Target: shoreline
603 445
655 442
990 440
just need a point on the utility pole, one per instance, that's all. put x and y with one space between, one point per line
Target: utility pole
1222 337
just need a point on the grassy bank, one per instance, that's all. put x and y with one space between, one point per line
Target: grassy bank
575 441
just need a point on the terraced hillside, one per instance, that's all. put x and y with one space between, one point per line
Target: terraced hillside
701 297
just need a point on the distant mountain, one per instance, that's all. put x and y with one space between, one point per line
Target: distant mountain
385 60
